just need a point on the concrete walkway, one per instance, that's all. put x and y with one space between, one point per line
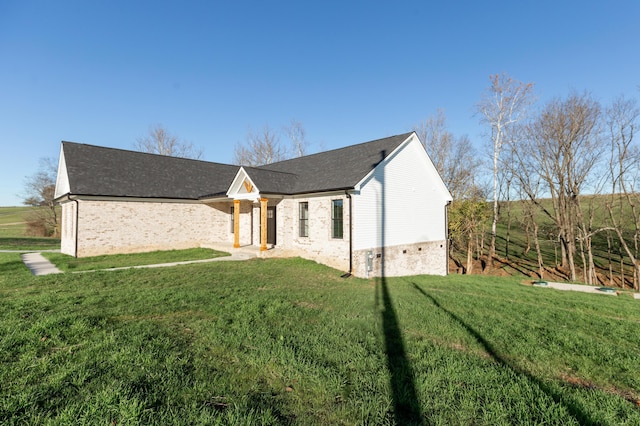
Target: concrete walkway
39 265
577 287
236 256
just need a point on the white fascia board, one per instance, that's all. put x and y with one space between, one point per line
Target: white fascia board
413 138
62 177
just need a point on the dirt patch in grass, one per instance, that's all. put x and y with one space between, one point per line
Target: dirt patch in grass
577 382
307 305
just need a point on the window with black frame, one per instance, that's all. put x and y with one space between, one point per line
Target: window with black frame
336 219
303 219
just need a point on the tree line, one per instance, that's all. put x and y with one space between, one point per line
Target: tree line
571 162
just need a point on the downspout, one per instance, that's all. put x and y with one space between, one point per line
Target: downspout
77 223
348 274
446 235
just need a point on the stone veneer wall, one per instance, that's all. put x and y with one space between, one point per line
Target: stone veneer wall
409 259
109 227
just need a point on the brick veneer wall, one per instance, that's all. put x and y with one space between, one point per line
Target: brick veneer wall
109 227
319 245
68 232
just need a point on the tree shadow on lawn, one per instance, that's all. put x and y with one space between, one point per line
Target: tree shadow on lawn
406 406
575 411
405 397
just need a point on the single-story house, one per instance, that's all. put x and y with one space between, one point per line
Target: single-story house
371 209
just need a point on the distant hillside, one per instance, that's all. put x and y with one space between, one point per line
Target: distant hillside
14 231
13 222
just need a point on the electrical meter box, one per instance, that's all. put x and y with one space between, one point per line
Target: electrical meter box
369 261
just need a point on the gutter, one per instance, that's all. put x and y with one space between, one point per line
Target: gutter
348 274
77 224
446 230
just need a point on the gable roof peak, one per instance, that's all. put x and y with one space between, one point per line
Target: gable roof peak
402 136
337 169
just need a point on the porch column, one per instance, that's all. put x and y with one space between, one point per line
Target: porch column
236 223
263 223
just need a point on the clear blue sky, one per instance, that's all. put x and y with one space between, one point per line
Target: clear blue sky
102 72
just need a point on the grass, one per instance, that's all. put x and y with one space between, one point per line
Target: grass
69 263
13 232
287 341
13 214
29 243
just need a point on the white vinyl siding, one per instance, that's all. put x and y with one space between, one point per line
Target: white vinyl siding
401 202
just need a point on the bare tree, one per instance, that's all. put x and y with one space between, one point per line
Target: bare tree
298 138
624 204
587 229
160 141
454 158
501 108
39 192
261 148
563 147
265 147
532 230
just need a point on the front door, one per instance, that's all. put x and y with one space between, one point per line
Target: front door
271 225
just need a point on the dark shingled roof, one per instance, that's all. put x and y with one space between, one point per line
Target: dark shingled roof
94 170
272 182
336 169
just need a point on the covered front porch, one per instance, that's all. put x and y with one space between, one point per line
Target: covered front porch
253 214
259 226
248 250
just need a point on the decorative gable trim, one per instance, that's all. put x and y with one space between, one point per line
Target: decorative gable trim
242 187
62 178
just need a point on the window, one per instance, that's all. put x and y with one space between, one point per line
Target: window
303 219
336 219
233 218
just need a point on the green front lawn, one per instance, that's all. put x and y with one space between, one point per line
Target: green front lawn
69 263
287 341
